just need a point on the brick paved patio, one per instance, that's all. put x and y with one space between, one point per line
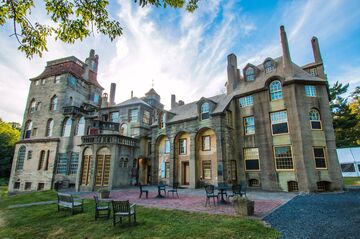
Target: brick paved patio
194 200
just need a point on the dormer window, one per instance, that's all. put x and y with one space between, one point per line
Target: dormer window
205 111
269 66
250 74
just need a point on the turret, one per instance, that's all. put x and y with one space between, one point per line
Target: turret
287 64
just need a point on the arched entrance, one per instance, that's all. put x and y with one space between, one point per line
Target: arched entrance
144 170
162 164
103 159
182 158
86 166
206 156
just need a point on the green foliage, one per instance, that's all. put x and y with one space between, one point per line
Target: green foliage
71 20
346 119
45 222
8 137
351 181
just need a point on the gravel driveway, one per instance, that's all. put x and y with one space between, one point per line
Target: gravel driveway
326 215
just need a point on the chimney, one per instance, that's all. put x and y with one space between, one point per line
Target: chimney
112 94
316 49
104 102
181 102
232 73
173 101
91 64
132 94
287 64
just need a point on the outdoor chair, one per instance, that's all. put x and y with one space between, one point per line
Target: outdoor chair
162 188
174 190
101 210
123 209
209 189
236 190
143 191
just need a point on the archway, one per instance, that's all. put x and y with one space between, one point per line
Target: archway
86 166
182 158
103 159
162 159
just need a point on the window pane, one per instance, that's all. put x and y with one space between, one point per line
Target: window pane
283 157
251 156
246 101
252 164
347 168
74 163
62 164
133 115
310 90
249 125
182 144
21 157
276 90
206 142
280 128
146 118
167 146
319 152
207 169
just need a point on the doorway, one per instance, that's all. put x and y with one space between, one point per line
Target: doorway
186 173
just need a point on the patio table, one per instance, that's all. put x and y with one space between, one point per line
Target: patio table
160 187
222 189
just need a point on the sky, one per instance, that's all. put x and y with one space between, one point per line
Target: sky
185 54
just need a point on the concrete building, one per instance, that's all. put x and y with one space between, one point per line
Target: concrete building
272 130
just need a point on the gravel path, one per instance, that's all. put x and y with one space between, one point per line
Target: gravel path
327 215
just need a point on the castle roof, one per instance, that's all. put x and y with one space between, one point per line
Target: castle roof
132 101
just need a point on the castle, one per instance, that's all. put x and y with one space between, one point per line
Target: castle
272 130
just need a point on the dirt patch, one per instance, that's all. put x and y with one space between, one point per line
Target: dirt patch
56 233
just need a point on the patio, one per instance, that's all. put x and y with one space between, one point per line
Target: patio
194 200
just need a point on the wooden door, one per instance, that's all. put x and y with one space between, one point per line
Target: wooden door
102 170
186 173
85 177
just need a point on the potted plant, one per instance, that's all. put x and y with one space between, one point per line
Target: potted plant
104 193
243 206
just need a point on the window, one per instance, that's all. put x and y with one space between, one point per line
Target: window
269 66
162 119
206 145
28 128
246 101
17 185
313 72
276 90
320 161
43 81
80 129
229 118
29 155
182 146
34 132
233 172
27 185
133 115
293 186
167 147
167 169
254 182
251 157
41 159
347 168
57 79
74 163
38 106
249 125
146 118
72 81
315 120
279 123
41 186
283 158
32 106
126 161
310 91
66 127
20 158
96 98
54 103
49 127
47 160
37 82
206 167
250 74
62 164
121 163
114 117
205 111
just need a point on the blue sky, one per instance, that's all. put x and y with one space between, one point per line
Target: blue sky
185 54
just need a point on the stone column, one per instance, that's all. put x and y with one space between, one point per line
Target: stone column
192 161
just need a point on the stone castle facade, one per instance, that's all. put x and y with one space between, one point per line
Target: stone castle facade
272 130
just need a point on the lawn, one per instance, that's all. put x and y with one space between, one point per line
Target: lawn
45 222
351 181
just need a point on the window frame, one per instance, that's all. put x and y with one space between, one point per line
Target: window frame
310 89
247 101
167 143
205 111
273 90
245 159
249 76
269 68
20 161
64 127
287 123
54 103
312 120
132 116
325 157
203 169
146 117
251 126
185 146
49 127
203 142
292 158
41 159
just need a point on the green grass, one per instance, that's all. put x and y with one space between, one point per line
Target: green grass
45 222
351 181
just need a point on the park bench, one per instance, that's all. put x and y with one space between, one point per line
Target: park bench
67 201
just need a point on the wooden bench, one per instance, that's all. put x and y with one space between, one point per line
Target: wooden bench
67 201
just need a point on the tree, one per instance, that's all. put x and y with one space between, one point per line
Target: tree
345 120
8 137
71 20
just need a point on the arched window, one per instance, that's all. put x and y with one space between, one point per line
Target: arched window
250 74
54 103
205 111
20 158
32 106
28 128
66 130
80 129
41 159
38 106
269 66
49 127
276 90
315 120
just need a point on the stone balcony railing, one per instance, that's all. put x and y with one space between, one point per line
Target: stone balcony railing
108 139
104 125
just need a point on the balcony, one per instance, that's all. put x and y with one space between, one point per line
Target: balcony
71 110
108 139
104 125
